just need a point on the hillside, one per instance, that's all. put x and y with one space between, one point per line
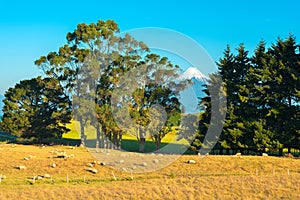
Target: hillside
212 177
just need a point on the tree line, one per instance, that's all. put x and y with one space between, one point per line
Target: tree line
263 92
82 78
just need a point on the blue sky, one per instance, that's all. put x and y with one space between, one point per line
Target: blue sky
30 29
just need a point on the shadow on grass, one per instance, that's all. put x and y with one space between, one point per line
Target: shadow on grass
133 146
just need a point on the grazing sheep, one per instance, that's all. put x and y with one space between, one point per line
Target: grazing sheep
155 161
21 167
238 154
39 177
264 154
31 156
191 162
2 177
94 171
289 155
25 158
90 164
47 176
53 165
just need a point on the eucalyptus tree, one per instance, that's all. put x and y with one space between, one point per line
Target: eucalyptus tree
92 52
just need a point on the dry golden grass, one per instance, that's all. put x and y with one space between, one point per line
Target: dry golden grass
212 177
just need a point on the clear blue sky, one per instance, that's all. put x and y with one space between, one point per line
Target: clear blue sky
30 29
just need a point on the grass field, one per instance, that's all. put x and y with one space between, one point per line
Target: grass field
212 177
129 141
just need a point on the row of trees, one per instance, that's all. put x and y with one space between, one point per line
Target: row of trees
114 83
84 76
263 92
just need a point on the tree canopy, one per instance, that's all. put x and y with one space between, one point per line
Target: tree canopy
262 97
36 108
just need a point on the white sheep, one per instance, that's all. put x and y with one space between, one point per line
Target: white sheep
47 176
264 154
21 167
94 171
191 162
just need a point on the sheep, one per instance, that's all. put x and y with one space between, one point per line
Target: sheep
21 167
264 154
31 156
191 162
238 154
2 177
47 176
53 165
289 155
94 171
90 165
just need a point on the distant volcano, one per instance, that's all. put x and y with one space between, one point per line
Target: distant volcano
191 73
190 97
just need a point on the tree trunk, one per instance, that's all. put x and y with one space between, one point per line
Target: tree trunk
40 140
98 136
281 152
82 135
157 144
120 140
115 139
142 144
142 139
227 151
101 139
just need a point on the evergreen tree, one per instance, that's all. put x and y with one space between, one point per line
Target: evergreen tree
36 108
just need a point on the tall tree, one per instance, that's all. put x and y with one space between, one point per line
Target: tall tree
36 108
98 42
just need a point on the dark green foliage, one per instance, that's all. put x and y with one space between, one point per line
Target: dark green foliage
262 98
36 108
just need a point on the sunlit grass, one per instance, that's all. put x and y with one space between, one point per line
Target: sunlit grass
212 177
90 131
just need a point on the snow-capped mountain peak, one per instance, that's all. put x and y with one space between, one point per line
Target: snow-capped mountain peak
193 72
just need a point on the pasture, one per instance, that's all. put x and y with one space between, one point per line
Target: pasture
211 177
